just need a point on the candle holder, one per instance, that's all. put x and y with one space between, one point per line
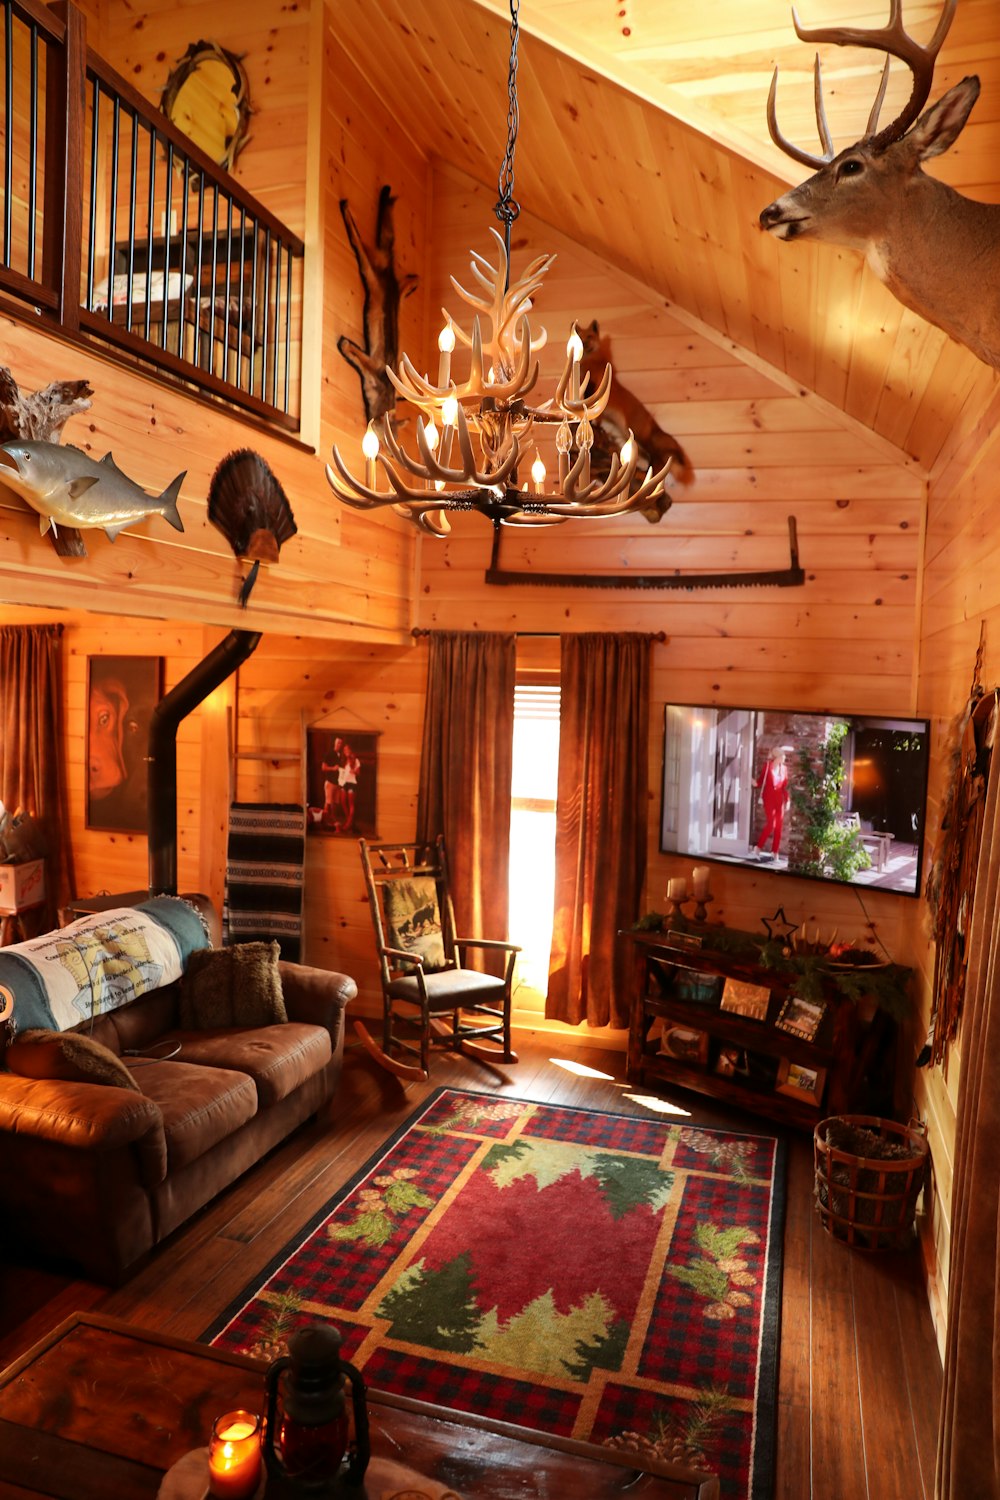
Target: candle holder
675 906
234 1456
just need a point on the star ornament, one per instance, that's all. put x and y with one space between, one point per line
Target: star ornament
778 927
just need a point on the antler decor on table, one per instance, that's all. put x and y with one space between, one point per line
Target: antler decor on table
919 236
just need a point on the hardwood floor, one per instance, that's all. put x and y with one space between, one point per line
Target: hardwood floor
859 1379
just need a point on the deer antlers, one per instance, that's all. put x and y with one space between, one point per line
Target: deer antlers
895 42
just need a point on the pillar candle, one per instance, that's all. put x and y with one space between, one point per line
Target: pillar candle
677 889
699 880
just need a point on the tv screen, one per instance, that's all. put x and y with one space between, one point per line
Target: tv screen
825 796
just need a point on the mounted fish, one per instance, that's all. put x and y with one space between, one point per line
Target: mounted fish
69 488
248 505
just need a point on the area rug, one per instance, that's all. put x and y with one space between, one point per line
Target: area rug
598 1276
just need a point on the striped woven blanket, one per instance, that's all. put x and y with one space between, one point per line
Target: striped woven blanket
264 875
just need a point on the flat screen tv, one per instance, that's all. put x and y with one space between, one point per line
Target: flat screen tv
825 796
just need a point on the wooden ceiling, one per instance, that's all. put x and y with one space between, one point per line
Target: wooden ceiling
643 137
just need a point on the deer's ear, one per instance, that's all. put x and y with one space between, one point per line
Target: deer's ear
939 126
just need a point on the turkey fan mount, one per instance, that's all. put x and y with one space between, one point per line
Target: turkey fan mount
250 508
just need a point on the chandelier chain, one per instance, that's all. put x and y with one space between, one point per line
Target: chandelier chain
507 207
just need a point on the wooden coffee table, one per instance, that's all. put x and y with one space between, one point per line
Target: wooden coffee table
100 1409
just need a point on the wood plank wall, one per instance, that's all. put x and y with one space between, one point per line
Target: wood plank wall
961 596
761 450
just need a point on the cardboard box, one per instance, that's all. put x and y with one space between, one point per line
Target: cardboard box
22 885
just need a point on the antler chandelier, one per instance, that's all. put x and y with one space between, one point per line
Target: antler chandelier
475 435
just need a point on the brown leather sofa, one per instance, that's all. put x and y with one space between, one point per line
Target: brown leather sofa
99 1175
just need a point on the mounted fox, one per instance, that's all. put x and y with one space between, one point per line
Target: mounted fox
937 251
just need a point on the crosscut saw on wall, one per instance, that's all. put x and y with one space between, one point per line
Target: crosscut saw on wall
783 578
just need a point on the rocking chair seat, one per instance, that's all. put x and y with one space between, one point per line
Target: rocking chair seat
450 988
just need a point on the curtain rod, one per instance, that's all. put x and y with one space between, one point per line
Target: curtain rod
551 635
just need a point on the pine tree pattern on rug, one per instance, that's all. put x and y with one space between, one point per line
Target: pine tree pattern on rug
598 1276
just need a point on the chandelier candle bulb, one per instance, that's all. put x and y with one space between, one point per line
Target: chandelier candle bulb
574 352
234 1457
538 476
369 447
446 343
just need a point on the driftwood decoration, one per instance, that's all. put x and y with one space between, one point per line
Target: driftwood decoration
40 417
248 505
384 291
783 578
624 413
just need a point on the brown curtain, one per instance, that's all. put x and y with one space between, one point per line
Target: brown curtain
601 824
32 776
969 1443
465 771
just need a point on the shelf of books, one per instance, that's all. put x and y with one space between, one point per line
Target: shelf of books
716 1023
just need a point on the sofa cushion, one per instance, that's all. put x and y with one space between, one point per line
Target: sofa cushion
237 986
200 1106
69 1056
278 1058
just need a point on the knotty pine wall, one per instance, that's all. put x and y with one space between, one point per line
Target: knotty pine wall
761 450
961 596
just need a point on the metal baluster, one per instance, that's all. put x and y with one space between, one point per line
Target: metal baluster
116 113
229 276
215 274
8 164
182 308
151 211
133 180
288 334
277 323
267 309
253 308
166 244
95 125
199 188
32 150
239 316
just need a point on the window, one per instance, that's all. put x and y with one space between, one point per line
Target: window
533 834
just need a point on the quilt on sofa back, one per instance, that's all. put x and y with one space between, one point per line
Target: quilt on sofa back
100 962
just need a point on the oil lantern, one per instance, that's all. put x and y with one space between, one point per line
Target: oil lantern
309 1432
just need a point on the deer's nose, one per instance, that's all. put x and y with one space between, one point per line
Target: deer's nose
770 215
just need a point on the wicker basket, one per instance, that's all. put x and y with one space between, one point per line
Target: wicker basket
869 1201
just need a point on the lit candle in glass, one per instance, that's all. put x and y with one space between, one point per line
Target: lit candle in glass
369 447
574 351
446 343
699 880
234 1458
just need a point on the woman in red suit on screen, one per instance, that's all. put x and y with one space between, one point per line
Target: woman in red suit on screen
773 787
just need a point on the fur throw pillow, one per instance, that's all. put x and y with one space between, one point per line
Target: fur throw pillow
237 986
68 1056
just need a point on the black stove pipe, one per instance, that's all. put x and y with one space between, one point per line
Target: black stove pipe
203 679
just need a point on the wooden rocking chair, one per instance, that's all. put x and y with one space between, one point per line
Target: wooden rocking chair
429 999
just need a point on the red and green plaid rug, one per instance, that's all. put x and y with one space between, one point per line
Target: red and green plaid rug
598 1276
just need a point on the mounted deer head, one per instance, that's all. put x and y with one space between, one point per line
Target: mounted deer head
937 251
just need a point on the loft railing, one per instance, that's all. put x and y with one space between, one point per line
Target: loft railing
119 228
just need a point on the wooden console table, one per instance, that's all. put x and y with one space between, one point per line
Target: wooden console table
101 1409
839 1052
